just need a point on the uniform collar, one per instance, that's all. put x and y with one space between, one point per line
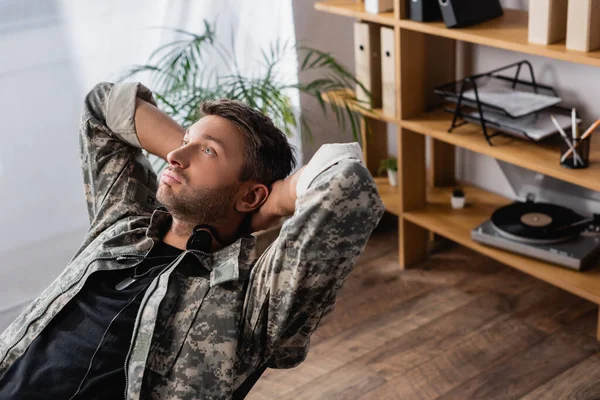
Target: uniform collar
224 265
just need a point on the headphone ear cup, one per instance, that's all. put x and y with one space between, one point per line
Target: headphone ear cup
200 240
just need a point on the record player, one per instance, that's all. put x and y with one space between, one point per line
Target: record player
540 228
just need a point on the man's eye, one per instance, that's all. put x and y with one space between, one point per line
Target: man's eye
209 151
184 142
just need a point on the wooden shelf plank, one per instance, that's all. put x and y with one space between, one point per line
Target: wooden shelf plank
389 195
539 157
439 217
355 9
376 113
508 32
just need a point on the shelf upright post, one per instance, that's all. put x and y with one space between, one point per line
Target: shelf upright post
374 142
441 63
411 145
423 62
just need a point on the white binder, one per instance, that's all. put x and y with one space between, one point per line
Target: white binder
583 25
388 71
547 21
367 46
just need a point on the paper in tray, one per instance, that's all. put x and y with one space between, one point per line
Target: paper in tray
515 103
537 126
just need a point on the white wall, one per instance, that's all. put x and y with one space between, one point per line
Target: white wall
53 52
329 33
44 75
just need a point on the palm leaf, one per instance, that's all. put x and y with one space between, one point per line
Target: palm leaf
194 68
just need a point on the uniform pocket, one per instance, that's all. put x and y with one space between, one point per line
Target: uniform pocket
139 194
182 309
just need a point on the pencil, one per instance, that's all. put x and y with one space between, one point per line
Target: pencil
566 139
587 133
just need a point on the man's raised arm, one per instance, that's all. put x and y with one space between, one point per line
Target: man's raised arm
158 133
295 282
117 121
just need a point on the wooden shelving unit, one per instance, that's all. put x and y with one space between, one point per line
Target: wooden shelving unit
422 199
508 32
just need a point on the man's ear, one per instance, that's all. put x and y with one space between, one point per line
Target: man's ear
256 195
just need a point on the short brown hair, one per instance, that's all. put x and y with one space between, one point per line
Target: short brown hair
268 155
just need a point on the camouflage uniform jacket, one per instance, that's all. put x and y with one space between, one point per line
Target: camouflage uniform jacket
200 337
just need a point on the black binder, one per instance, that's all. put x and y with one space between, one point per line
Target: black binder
424 10
460 13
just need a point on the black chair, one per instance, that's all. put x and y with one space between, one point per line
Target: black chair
245 387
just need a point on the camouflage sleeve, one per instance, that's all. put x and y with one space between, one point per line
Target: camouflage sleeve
118 178
296 280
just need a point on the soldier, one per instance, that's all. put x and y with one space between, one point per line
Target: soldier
162 299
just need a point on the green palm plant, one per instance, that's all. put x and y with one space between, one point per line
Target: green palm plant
196 67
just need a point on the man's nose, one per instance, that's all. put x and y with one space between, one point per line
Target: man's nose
176 158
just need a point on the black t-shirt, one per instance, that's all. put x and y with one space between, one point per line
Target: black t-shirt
93 331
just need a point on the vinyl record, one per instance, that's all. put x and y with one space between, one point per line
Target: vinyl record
536 222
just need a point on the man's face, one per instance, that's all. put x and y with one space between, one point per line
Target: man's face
201 183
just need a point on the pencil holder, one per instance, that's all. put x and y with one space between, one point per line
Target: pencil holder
582 149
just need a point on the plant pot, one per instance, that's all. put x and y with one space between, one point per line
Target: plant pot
457 202
393 177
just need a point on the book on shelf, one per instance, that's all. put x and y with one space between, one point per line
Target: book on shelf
378 6
547 21
583 25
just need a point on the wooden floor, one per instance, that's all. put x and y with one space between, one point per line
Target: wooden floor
459 326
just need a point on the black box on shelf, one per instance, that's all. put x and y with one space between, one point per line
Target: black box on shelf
424 10
460 13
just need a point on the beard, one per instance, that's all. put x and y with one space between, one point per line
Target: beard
199 205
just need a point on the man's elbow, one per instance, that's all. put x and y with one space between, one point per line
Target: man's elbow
361 187
95 101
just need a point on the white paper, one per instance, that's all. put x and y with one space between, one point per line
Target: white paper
516 103
538 125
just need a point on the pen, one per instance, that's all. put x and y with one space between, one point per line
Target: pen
566 139
573 123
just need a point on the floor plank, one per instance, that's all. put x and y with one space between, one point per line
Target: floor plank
370 302
531 368
459 363
580 382
438 337
458 326
340 350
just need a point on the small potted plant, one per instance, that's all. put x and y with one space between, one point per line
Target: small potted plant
458 198
391 166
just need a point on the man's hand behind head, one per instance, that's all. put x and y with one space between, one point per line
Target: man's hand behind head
280 203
